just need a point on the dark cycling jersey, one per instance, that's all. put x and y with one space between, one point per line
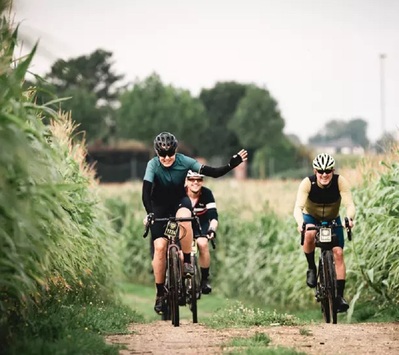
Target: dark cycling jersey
163 187
168 182
205 209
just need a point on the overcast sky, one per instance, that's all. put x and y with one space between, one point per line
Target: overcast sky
320 59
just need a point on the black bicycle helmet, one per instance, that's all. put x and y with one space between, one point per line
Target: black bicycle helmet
165 141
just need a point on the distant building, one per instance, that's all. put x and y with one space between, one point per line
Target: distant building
339 146
119 162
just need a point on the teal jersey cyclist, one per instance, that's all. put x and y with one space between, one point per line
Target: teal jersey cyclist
163 195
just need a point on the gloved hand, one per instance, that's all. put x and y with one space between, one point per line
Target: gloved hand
211 234
238 158
235 160
148 219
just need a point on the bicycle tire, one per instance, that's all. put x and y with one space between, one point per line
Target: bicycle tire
322 290
193 290
166 308
175 286
332 285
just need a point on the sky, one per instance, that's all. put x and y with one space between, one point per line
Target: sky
320 59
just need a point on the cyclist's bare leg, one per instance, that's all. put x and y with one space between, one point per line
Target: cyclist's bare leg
309 241
185 229
339 263
159 260
204 257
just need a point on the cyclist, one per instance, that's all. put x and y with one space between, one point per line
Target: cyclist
319 199
164 195
204 206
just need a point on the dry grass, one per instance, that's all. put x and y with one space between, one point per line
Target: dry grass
245 197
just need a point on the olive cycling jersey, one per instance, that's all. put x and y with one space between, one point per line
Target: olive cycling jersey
323 202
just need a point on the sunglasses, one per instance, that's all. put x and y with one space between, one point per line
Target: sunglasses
195 179
327 171
169 153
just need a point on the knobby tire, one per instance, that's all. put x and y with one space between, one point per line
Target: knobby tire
194 289
322 289
175 286
332 286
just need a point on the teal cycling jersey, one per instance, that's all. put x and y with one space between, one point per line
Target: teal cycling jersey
168 182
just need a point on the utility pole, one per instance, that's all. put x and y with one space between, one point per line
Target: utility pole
382 92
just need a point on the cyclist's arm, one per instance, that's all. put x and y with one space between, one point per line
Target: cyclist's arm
147 185
146 196
301 197
212 212
346 195
213 216
235 160
214 172
214 224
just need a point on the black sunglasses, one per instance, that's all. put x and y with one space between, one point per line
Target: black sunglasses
195 179
170 153
327 171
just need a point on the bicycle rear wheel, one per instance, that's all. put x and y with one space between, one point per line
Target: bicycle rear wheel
175 286
331 285
195 286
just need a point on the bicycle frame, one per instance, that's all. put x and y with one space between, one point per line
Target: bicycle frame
326 287
174 284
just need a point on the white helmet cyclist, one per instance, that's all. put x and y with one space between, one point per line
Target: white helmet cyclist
324 161
192 174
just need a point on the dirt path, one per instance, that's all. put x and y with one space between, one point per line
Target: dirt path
162 338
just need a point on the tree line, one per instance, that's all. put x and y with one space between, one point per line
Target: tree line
220 121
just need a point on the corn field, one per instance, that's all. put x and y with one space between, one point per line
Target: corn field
258 252
57 243
65 240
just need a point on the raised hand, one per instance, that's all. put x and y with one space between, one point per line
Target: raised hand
238 158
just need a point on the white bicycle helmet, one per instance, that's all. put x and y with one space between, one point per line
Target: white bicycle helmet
323 161
193 174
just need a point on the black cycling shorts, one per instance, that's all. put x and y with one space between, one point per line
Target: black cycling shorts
163 211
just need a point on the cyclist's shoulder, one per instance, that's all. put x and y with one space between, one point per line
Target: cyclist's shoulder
182 158
206 190
206 194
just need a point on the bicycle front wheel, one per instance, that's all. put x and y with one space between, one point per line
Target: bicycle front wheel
175 286
322 290
331 284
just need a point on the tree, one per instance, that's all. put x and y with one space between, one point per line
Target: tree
257 119
355 129
220 103
90 72
92 87
150 107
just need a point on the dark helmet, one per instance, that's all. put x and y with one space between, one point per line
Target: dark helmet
165 141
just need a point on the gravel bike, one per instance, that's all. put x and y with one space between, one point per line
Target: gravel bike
179 290
326 287
193 285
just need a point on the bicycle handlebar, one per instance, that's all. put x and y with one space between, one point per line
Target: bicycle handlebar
316 228
151 220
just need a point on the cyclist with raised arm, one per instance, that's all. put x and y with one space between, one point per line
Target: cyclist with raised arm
164 195
319 199
204 206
